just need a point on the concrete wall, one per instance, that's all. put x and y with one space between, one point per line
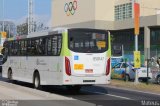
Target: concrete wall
89 13
158 21
104 10
148 7
85 12
144 21
100 14
119 2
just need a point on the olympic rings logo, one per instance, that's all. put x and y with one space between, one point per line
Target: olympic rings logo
70 8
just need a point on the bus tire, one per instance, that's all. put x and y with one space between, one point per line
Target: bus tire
10 74
36 81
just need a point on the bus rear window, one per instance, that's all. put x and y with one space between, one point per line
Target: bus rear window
88 41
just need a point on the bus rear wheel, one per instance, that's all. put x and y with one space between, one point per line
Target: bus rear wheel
10 75
36 81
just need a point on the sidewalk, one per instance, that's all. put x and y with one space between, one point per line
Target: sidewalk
9 91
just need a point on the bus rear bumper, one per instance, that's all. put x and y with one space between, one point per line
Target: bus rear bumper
74 80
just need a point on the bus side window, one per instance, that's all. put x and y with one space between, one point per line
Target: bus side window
36 47
45 46
54 45
23 47
19 48
49 46
41 46
9 48
59 44
15 48
30 47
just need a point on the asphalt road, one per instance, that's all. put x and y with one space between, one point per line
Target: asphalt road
99 95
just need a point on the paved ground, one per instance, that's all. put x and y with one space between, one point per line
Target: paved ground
16 95
94 95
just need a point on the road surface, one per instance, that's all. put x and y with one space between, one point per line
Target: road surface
101 95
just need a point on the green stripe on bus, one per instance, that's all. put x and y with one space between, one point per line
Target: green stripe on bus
109 46
65 51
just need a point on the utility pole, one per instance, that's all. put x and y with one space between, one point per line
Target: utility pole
3 15
30 16
137 62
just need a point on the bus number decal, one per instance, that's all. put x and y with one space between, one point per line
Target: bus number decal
78 66
98 58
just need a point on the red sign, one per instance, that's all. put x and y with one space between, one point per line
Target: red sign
136 18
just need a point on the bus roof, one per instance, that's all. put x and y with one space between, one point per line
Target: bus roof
47 32
50 31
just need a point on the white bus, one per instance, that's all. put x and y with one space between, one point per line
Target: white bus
71 57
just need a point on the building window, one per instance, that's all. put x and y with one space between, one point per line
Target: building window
123 11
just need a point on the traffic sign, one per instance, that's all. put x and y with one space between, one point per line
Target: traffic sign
3 34
136 18
137 59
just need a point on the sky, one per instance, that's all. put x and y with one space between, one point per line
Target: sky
17 10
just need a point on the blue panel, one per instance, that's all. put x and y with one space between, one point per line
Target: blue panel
76 57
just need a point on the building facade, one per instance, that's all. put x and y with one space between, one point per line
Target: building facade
116 16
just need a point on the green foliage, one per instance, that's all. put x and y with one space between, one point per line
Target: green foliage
22 29
112 38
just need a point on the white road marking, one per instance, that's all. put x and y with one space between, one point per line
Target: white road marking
119 97
132 90
109 95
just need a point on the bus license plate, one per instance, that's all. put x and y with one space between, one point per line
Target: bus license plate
89 70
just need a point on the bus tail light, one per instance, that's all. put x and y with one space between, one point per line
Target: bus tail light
108 66
67 66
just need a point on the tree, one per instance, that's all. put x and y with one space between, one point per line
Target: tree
9 28
22 29
112 38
